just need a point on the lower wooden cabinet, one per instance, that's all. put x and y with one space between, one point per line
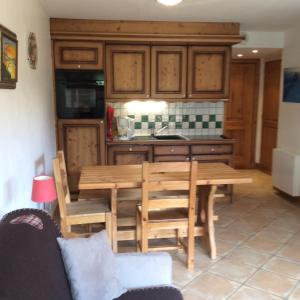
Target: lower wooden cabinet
129 155
118 154
83 143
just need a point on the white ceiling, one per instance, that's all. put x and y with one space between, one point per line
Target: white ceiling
261 15
266 53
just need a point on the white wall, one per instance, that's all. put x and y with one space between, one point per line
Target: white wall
289 113
262 39
27 131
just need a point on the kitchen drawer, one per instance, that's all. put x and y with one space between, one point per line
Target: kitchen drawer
129 148
171 150
227 159
129 154
211 149
171 158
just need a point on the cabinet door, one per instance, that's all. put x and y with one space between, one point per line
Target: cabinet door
127 71
83 144
208 72
78 55
129 155
168 71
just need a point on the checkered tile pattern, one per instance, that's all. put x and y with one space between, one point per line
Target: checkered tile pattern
193 118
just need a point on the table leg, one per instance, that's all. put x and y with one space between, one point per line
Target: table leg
210 222
114 229
206 216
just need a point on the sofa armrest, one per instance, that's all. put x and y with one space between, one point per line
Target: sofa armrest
140 270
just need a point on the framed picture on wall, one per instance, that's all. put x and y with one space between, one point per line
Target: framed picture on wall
8 59
291 88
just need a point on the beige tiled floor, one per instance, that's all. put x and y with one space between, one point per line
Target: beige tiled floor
258 241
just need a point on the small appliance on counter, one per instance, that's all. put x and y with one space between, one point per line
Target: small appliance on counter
125 128
109 118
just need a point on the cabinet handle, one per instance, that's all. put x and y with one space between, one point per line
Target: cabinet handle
172 150
212 149
79 66
193 158
130 149
148 96
101 122
187 159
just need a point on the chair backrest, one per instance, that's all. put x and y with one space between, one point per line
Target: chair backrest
171 176
63 194
63 168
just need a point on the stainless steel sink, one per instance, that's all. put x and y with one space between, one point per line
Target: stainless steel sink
170 137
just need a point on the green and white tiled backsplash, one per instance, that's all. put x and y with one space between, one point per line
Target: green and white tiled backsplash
193 118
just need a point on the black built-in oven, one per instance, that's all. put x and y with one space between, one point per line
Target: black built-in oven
80 94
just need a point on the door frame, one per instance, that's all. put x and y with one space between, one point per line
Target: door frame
257 63
259 165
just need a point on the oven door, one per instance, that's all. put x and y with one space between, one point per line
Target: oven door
80 100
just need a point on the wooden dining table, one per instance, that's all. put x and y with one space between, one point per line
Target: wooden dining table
210 176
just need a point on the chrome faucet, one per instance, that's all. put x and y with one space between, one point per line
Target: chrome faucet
159 130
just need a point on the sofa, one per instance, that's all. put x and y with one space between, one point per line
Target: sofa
31 265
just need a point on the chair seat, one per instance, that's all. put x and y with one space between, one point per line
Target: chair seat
167 215
88 207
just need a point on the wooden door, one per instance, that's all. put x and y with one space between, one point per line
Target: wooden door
128 71
168 71
78 55
270 113
129 155
208 72
83 144
241 110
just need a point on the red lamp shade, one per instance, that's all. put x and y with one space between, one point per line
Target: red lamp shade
43 189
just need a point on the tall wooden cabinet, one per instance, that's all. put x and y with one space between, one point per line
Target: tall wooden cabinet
168 71
128 71
208 72
83 144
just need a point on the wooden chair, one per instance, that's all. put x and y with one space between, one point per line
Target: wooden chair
78 212
83 195
165 213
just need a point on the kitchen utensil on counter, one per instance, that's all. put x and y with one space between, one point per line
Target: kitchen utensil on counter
125 128
110 115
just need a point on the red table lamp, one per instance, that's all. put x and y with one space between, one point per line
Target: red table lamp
43 189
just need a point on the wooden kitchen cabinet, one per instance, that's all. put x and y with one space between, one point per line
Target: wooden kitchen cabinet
83 143
129 154
212 153
208 72
171 153
168 71
128 71
78 55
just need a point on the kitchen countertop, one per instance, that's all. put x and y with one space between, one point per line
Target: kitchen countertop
212 139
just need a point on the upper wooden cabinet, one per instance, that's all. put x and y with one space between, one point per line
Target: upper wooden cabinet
128 71
168 71
78 55
208 72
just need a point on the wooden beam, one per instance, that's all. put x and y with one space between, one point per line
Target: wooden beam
146 31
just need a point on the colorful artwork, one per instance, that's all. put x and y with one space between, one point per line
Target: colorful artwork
291 92
8 58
